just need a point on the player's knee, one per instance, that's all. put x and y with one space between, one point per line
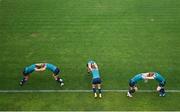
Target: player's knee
158 88
26 78
135 88
93 86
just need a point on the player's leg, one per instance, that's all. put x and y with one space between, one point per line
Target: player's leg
161 89
25 78
94 90
88 70
57 78
94 85
99 89
132 88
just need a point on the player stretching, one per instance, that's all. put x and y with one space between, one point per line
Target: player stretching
96 80
135 79
161 80
41 67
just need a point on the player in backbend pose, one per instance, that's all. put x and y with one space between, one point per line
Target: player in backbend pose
96 80
133 81
146 76
41 67
161 80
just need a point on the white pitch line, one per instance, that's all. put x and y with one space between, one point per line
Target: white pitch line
77 91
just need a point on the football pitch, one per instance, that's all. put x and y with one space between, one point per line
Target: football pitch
124 37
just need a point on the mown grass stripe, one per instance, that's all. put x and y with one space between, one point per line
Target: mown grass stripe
75 91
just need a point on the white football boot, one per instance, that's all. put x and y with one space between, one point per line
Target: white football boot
129 95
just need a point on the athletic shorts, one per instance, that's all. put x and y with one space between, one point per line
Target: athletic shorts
26 73
132 83
56 71
96 81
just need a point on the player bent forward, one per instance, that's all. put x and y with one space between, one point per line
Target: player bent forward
41 67
145 77
96 80
161 80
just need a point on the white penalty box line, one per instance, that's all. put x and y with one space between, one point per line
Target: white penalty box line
79 91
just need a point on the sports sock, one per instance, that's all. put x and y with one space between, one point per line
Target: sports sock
23 80
162 91
131 91
99 90
94 90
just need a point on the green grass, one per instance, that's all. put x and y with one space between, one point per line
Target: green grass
124 37
84 101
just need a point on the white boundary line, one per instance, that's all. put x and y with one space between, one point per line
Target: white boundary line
78 91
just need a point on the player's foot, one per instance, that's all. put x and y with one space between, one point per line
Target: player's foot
129 95
95 95
100 95
162 94
21 83
62 84
60 81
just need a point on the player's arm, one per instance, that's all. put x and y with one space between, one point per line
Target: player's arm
96 66
40 69
148 78
89 67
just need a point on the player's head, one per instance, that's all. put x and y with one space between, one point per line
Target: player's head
93 66
150 74
40 65
43 65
